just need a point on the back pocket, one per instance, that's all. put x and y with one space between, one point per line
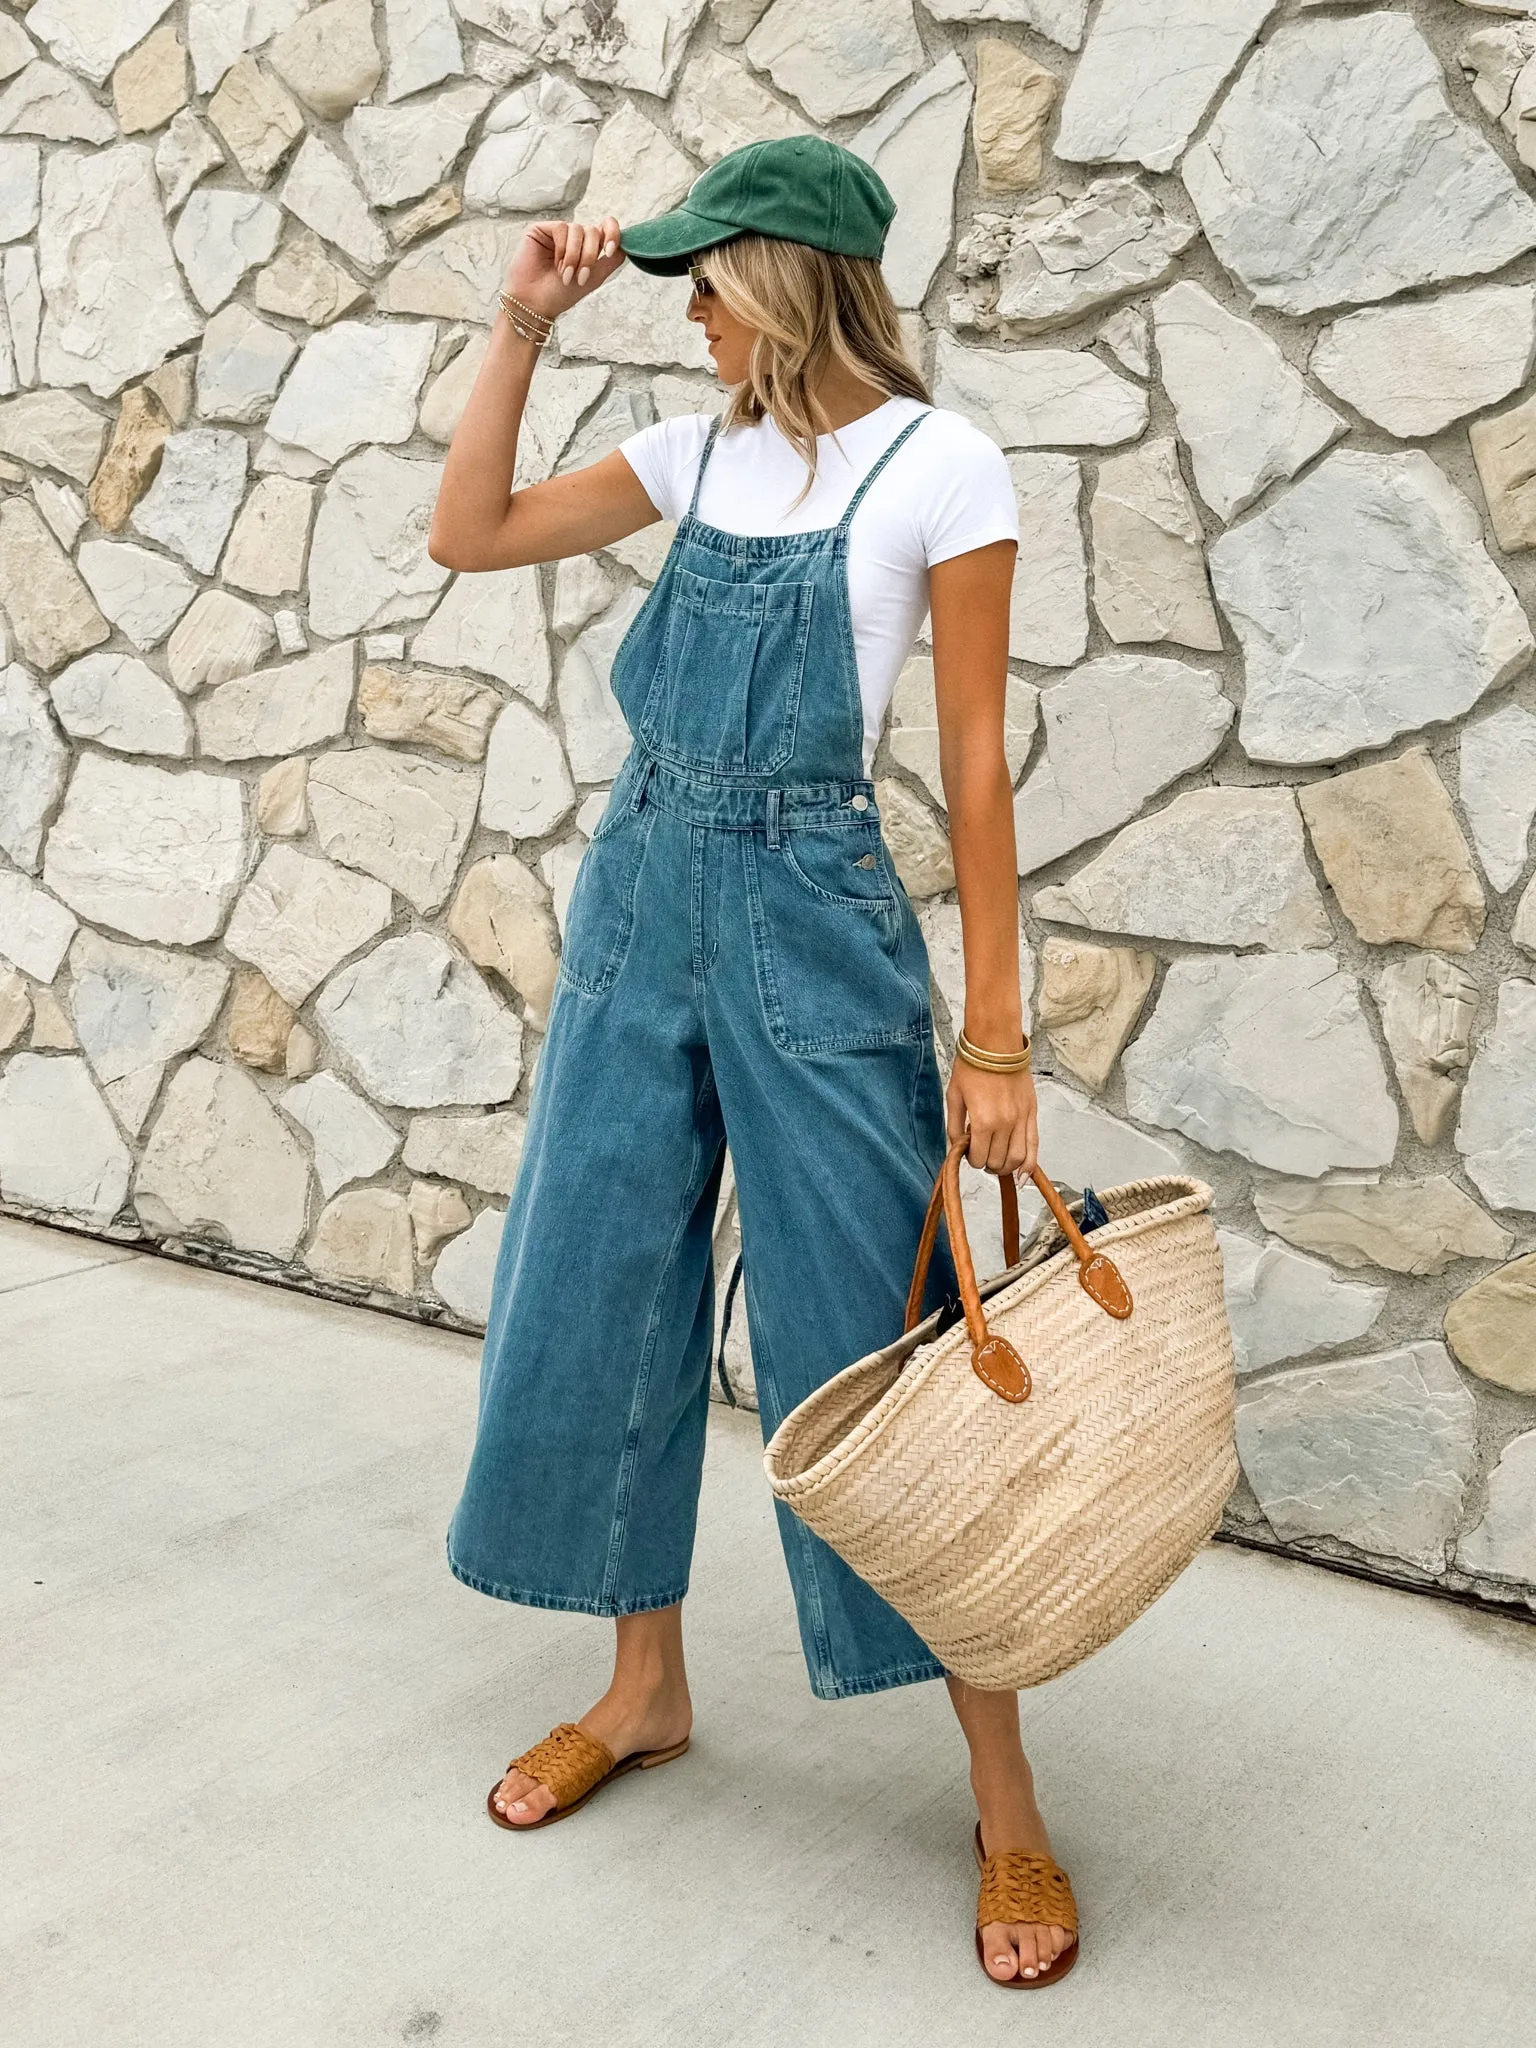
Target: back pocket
726 694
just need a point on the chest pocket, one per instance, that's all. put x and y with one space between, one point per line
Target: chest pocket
725 697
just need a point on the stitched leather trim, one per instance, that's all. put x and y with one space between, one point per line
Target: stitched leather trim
569 1761
1101 1280
1019 1888
998 1366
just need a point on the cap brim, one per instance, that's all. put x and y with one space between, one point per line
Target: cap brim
665 245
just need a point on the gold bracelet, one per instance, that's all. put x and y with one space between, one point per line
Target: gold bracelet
992 1062
525 323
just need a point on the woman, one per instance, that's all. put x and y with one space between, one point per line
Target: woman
740 959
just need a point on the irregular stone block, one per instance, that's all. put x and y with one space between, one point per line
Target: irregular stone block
422 39
1347 647
1373 1452
363 1239
1335 171
1268 1056
221 636
259 1022
536 151
1090 998
33 764
15 1007
1048 616
466 1266
1281 1305
437 1213
399 817
419 1028
121 703
21 171
1497 1132
140 591
1246 415
34 930
635 318
501 918
1032 398
836 60
354 384
282 805
481 1151
257 118
1127 336
42 100
719 106
1146 77
1148 561
270 539
1491 1328
917 843
90 35
329 57
52 430
221 1164
184 155
528 788
1117 731
221 31
59 1148
303 283
1504 449
1216 866
1014 98
278 710
458 274
1415 368
368 560
414 705
321 191
131 461
351 1140
50 610
1049 266
1393 852
915 144
240 366
134 1009
1498 789
1502 1543
1426 1006
299 915
401 152
219 237
192 503
1416 1226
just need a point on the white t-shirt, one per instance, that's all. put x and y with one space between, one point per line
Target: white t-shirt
946 490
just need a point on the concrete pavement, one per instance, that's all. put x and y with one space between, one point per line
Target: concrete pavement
250 1723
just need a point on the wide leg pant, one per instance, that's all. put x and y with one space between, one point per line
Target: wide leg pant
720 978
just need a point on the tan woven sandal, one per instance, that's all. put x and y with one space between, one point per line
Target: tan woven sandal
573 1765
1020 1888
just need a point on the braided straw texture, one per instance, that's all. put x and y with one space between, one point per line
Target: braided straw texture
1018 1539
569 1761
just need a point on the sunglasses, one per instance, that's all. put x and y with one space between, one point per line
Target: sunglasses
700 281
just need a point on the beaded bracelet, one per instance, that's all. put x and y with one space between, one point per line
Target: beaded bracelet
525 323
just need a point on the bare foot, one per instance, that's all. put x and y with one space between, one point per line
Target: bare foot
1019 1949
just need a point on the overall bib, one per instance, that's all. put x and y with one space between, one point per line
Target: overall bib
740 961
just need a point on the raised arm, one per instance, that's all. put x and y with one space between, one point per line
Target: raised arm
968 604
480 522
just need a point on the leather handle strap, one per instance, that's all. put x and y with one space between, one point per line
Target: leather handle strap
993 1358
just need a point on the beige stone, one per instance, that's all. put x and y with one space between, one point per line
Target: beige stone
15 1007
302 282
150 83
400 817
270 538
426 708
1492 1327
363 1239
438 1212
1413 1226
173 384
329 57
1014 98
303 1054
915 840
257 117
221 1162
52 430
132 460
282 800
447 395
1090 998
1391 848
501 918
51 612
426 216
481 1151
259 1022
220 636
1504 449
51 1029
1149 580
1427 1005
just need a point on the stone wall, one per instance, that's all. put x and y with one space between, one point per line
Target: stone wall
289 816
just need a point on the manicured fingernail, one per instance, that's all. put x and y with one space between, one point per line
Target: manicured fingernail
609 248
583 274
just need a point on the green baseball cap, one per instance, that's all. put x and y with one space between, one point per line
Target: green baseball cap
798 188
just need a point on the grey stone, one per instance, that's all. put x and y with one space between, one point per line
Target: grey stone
33 764
419 1028
1498 789
400 817
1497 1132
1221 867
221 31
1084 1146
1148 562
114 305
42 100
59 1148
1336 172
320 191
1043 397
192 503
1416 1226
51 612
1244 412
220 636
1502 1543
633 318
90 35
136 589
719 106
1128 337
836 60
121 703
456 275
401 152
23 307
220 236
482 1151
148 852
53 430
368 560
220 1163
915 144
241 364
527 789
1268 1056
21 171
596 736
1427 1006
351 1140
354 383
1146 76
1415 368
536 149
299 916
278 710
184 156
1373 1452
636 173
493 624
466 1266
422 38
1348 647
1281 1305
35 931
1117 731
134 1009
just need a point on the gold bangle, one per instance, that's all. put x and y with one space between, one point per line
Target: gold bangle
992 1062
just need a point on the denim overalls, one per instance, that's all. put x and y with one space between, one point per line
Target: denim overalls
741 962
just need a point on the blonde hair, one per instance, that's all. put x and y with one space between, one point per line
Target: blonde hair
808 307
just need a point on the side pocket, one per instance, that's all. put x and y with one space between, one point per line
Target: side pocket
600 918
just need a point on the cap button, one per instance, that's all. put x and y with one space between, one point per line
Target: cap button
861 802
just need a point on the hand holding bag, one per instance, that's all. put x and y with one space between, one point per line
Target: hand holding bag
1020 1485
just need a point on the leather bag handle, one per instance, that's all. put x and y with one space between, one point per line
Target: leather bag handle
993 1359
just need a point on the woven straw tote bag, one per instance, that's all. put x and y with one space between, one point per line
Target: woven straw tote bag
1019 1516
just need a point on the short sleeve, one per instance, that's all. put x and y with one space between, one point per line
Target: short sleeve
969 502
665 457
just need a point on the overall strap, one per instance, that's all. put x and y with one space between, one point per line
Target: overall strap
698 482
853 503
